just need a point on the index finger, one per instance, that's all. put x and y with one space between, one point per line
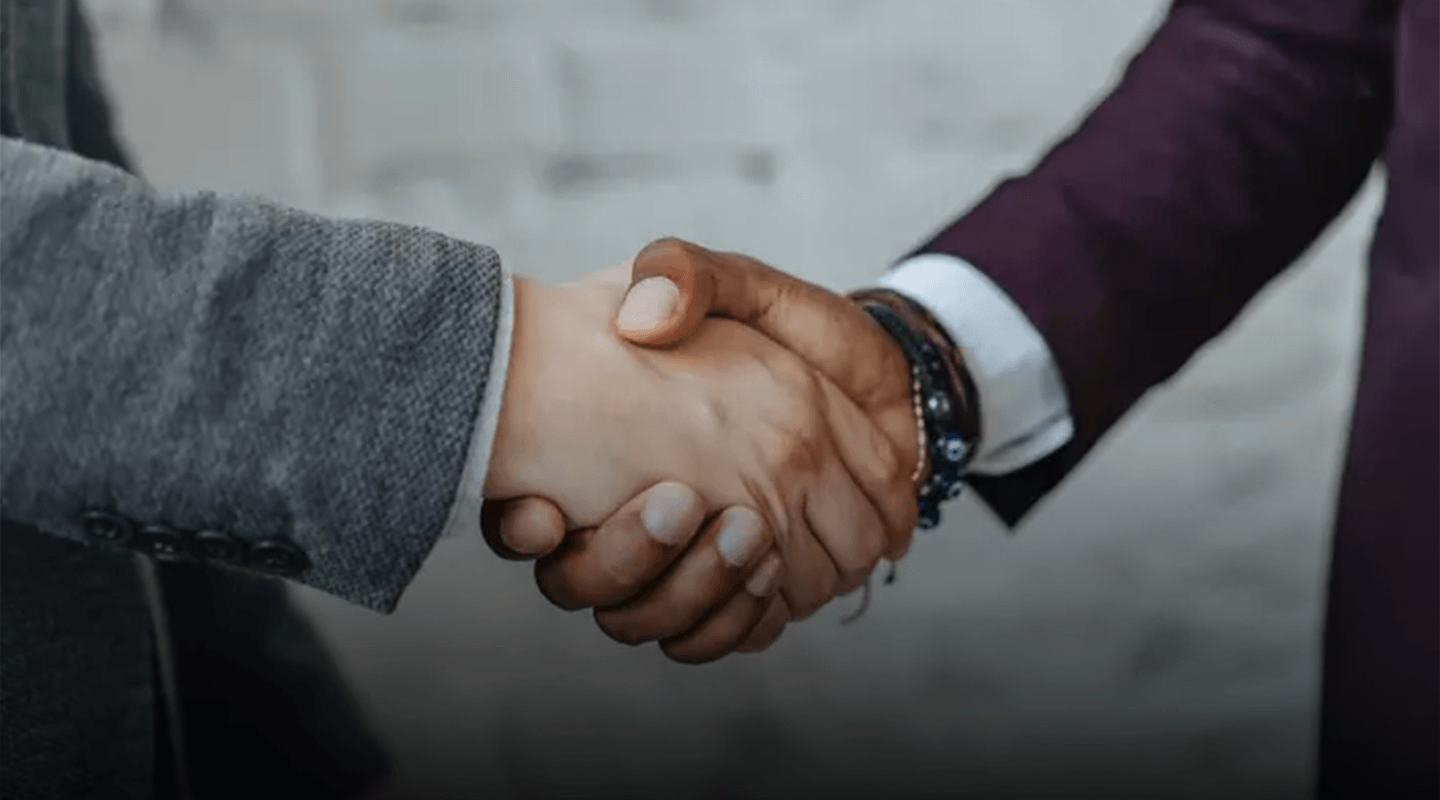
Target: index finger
825 329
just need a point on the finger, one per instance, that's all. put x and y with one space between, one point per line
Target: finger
699 582
829 331
669 294
811 576
725 629
769 628
615 276
708 283
617 560
845 522
872 461
522 529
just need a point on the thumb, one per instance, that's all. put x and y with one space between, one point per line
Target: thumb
675 284
670 293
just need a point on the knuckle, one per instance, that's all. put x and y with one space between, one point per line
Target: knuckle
877 546
799 451
887 458
802 606
805 603
661 252
690 654
555 589
793 293
850 571
620 628
688 611
612 577
853 580
523 539
910 519
876 543
769 503
635 626
616 570
683 611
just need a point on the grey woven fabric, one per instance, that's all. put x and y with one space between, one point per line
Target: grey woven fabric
215 365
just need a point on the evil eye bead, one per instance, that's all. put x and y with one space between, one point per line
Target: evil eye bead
954 449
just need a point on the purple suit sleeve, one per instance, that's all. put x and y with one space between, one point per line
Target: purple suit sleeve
1235 136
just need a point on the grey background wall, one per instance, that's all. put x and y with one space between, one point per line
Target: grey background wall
1152 632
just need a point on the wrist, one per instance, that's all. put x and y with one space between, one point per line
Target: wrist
575 402
945 403
505 476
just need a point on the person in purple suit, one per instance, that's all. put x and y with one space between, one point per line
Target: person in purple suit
1235 137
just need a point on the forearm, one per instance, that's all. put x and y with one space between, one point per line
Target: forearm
1233 139
220 364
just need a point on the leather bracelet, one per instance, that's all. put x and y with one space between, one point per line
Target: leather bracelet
947 413
951 415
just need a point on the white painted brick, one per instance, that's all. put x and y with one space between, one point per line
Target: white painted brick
406 95
111 15
643 92
999 77
870 208
285 18
725 202
236 117
563 14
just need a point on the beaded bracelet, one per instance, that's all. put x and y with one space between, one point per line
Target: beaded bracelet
947 436
950 418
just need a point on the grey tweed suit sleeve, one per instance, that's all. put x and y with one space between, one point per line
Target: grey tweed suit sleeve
221 363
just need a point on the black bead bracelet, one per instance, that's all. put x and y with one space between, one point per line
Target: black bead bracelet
945 412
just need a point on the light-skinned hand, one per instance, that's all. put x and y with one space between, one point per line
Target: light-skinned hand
729 413
675 285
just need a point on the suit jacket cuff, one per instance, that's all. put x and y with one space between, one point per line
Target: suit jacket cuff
303 391
470 494
1024 412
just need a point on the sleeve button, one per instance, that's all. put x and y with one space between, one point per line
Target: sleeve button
160 541
218 546
278 557
102 526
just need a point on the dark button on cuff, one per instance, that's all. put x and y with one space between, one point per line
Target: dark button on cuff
160 541
102 526
218 546
278 557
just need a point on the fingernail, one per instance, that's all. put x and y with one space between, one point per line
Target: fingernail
665 509
648 304
765 578
515 547
740 540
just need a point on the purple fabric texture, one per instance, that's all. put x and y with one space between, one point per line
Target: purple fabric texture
1234 138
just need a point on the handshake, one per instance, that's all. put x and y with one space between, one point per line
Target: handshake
701 448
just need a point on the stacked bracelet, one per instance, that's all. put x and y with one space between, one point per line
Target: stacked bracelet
949 419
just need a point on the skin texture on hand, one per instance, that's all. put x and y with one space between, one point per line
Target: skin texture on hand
675 286
729 413
828 331
701 609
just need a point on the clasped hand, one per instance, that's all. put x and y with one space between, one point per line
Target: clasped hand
732 453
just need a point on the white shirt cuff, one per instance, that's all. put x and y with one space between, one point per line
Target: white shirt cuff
470 495
1024 413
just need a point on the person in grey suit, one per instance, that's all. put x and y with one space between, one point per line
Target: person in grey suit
203 394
